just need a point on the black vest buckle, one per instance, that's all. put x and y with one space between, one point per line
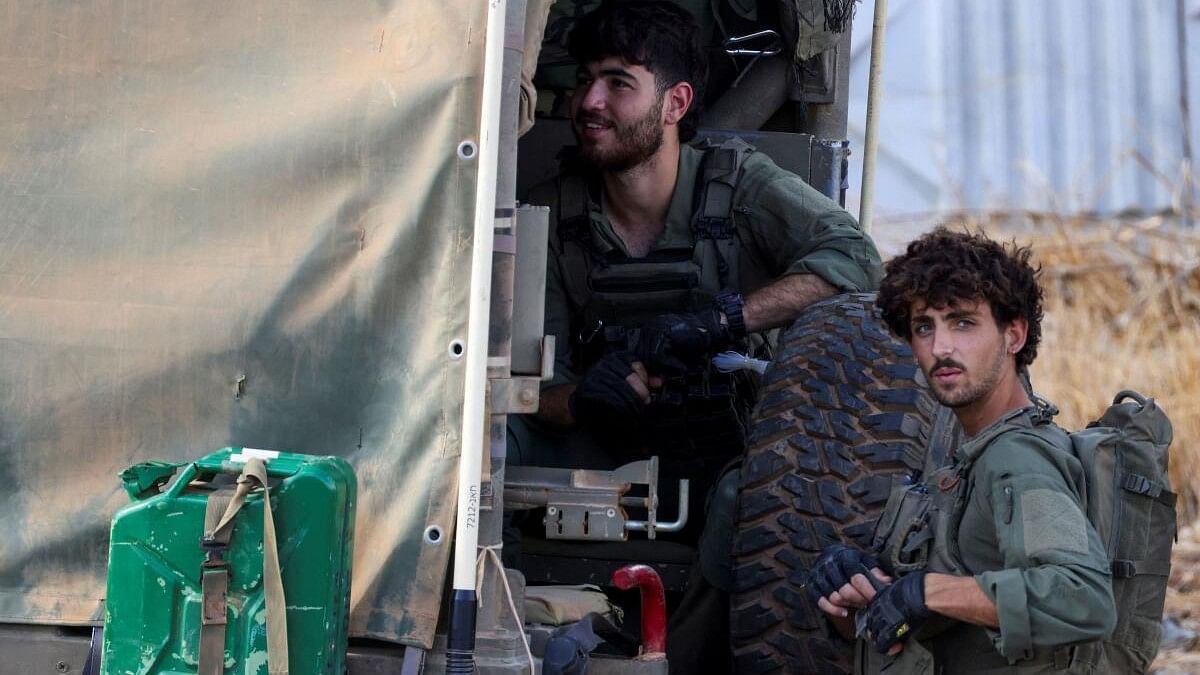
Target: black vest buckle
711 227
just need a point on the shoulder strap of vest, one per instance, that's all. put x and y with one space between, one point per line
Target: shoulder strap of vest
945 434
713 200
720 169
572 208
574 231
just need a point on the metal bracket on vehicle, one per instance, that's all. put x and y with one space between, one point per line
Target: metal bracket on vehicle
588 505
520 395
514 395
649 526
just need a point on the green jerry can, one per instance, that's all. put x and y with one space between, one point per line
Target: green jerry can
200 569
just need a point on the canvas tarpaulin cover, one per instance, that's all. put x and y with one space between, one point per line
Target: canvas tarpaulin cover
227 223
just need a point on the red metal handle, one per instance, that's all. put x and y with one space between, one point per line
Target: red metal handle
654 604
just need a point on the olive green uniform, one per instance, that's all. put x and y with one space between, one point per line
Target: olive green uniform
783 226
1024 537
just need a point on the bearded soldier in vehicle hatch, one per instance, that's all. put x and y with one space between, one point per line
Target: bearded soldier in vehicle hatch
998 570
661 256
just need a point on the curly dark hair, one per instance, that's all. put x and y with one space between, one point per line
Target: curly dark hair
943 267
659 35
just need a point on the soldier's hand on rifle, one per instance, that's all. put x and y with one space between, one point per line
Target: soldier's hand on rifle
670 343
897 611
613 391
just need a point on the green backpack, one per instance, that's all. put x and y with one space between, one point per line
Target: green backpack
1132 507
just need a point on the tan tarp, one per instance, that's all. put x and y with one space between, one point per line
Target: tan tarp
561 605
194 194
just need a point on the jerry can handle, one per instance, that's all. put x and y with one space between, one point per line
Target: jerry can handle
184 479
231 468
142 481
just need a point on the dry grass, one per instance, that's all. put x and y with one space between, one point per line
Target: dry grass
1122 312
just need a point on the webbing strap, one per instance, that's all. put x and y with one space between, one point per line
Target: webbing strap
216 538
712 206
944 435
572 198
214 585
718 178
574 229
915 541
1141 485
1124 569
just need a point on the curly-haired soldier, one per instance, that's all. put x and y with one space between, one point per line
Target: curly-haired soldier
995 568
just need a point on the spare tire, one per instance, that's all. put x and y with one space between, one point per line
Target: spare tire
844 410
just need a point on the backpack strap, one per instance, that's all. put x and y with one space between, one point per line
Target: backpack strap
1124 569
1140 485
220 511
712 206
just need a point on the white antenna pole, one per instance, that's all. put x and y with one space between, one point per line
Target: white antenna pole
461 644
871 142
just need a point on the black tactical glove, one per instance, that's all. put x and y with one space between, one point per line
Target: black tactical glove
833 569
896 612
669 343
604 397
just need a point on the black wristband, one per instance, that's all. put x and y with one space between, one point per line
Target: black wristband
730 304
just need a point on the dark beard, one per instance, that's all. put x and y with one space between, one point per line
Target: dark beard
636 142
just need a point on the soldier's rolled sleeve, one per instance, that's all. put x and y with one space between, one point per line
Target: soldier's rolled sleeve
805 232
1055 587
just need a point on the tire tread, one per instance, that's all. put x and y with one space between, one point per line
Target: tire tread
844 410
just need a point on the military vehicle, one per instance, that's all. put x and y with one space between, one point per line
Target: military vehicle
293 226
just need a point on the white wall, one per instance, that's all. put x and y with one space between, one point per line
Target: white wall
1062 105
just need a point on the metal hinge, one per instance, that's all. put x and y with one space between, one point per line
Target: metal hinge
520 395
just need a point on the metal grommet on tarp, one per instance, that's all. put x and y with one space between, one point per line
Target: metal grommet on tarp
468 150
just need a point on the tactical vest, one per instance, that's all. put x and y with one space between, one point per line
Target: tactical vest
1129 503
706 412
918 530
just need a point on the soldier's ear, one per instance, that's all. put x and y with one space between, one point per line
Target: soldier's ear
677 100
1015 334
